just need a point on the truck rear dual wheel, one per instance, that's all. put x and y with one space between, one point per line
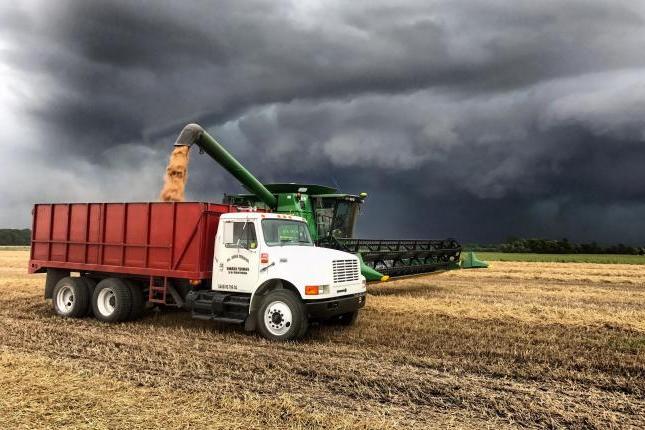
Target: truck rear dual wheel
91 285
282 316
71 297
116 300
112 300
138 301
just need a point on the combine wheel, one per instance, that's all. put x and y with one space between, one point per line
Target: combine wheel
71 297
282 316
138 302
112 300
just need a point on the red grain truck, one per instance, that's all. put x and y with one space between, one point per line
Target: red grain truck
219 261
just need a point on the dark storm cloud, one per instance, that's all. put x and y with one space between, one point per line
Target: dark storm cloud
475 119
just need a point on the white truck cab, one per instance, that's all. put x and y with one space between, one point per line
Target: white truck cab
268 274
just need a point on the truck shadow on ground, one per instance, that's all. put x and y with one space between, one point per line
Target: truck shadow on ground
176 318
33 309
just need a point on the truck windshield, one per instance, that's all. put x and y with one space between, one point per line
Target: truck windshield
285 232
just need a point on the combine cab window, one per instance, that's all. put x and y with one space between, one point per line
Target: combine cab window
344 219
324 215
336 217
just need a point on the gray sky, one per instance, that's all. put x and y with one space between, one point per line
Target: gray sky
471 119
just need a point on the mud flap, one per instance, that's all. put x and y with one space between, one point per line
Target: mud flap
53 276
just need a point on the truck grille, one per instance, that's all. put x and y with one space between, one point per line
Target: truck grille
346 271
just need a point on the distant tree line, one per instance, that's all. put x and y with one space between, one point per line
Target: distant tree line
550 246
22 237
12 236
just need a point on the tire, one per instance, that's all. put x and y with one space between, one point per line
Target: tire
138 301
282 316
71 298
112 300
91 286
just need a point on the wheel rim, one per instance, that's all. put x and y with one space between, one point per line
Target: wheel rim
106 301
65 299
278 318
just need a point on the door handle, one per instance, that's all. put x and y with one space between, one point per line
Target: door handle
266 267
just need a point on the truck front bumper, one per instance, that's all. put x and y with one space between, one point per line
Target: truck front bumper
328 308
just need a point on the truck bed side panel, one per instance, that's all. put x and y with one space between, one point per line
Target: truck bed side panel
148 239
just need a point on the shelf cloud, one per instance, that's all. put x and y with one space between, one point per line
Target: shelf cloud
474 119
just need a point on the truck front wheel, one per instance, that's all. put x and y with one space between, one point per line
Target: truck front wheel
282 316
71 297
112 300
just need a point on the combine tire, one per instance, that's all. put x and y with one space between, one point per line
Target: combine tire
138 302
112 300
282 316
71 297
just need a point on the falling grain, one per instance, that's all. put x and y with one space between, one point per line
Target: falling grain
176 175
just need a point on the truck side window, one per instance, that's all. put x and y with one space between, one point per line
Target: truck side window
244 232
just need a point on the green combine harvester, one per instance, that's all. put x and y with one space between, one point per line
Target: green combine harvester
331 217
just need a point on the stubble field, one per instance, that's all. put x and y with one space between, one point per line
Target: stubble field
516 345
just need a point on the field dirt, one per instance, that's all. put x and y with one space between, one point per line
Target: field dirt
538 345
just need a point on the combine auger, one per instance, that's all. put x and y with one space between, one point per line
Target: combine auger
331 217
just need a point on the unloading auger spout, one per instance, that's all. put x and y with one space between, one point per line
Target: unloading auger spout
195 134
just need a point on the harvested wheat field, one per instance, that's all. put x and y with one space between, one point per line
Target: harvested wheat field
516 345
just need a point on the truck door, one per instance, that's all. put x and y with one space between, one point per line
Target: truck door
239 260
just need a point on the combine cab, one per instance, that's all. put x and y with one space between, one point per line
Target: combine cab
331 217
335 219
